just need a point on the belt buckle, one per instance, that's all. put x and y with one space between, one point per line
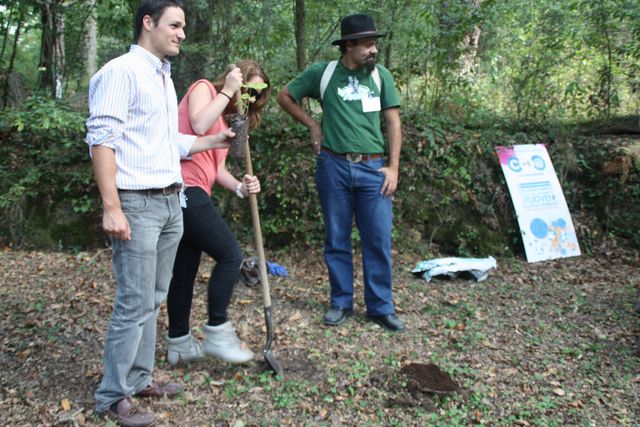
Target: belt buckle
354 157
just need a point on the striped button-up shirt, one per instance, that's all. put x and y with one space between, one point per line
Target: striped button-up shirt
134 111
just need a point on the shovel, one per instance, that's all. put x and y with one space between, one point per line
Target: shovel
269 357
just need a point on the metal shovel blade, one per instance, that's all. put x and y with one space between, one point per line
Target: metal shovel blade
269 357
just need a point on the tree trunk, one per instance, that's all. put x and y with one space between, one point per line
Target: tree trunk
5 36
224 12
266 21
389 42
91 46
301 59
9 75
52 48
470 44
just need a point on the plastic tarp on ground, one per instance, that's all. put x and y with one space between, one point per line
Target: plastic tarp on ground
452 267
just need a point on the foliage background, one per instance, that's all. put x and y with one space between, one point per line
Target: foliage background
472 74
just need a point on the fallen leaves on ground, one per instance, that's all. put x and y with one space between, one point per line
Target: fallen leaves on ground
534 344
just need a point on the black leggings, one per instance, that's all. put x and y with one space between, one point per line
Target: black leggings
204 231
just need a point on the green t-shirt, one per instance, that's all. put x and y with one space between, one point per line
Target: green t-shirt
351 106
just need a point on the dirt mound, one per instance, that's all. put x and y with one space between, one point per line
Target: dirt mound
428 378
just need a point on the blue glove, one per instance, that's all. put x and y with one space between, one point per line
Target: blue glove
276 270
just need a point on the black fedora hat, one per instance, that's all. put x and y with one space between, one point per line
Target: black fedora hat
355 27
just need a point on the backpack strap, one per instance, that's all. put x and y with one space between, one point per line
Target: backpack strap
326 76
375 75
331 67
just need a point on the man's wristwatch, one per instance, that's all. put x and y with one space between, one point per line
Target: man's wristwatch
239 192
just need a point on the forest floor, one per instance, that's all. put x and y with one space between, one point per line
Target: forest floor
549 343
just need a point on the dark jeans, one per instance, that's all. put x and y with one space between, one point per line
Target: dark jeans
204 231
349 189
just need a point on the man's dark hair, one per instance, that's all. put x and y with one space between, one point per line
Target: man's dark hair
343 47
153 8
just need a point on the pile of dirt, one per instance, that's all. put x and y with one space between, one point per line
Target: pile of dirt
429 378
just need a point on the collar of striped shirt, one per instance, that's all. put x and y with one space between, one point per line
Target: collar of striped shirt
149 58
133 110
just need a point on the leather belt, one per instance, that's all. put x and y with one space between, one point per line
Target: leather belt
355 157
166 191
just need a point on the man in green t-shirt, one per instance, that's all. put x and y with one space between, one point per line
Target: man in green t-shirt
357 169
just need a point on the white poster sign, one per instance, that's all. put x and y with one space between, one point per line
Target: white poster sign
543 216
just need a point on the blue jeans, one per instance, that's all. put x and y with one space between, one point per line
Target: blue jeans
142 269
347 189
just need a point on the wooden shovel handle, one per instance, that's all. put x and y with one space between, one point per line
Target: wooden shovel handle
257 232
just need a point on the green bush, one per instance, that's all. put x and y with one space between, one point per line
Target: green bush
451 192
289 207
608 186
46 185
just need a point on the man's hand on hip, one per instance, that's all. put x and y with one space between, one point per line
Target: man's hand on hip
390 181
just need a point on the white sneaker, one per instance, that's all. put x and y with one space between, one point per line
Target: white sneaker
185 348
222 342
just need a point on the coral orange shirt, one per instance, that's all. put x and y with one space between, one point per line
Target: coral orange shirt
202 169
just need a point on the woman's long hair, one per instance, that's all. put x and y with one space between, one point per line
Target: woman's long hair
249 70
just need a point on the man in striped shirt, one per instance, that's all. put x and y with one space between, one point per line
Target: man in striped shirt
136 149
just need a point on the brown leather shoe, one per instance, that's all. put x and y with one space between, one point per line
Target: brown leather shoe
127 413
160 389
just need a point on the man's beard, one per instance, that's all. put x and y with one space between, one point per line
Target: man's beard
370 63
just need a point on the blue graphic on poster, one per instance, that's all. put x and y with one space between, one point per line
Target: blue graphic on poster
543 215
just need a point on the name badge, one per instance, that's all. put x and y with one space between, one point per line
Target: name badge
370 104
